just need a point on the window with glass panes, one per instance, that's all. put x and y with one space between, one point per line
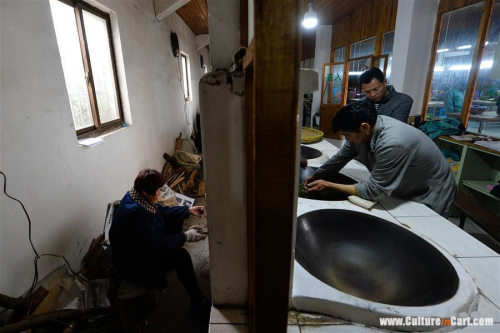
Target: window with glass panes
86 48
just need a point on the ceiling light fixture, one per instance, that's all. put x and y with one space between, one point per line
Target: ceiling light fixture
310 18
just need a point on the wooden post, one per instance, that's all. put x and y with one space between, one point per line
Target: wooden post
273 155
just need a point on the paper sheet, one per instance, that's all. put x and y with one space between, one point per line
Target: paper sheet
495 145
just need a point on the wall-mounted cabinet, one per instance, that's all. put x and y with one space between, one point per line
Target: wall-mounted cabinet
464 74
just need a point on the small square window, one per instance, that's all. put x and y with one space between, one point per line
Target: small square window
85 45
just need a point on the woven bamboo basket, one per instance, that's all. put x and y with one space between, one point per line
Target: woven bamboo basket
310 135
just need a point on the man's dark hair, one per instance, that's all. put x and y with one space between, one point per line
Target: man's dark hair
351 116
370 74
148 180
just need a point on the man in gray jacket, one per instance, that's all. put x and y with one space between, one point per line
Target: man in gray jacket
402 160
386 100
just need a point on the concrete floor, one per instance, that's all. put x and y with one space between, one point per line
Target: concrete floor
172 312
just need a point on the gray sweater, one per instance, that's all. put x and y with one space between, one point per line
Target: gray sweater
403 162
396 105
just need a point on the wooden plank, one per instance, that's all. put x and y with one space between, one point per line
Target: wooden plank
50 302
195 14
276 60
340 32
394 12
248 58
356 26
476 60
472 145
366 20
384 13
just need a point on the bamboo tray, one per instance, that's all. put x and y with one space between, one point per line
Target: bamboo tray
310 135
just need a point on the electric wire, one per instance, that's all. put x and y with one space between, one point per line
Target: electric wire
37 256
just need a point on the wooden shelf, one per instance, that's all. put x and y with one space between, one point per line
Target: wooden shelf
471 145
480 186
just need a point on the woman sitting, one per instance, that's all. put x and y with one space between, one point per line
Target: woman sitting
147 239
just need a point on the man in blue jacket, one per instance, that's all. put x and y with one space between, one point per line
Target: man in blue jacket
147 239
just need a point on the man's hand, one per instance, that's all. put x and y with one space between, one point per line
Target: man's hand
197 210
317 185
307 180
320 185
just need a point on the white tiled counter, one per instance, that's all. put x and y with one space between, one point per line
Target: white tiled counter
482 263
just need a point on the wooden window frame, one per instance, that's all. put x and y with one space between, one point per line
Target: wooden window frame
343 96
187 97
97 128
445 6
376 47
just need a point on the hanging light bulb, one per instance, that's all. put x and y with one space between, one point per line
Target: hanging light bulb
310 18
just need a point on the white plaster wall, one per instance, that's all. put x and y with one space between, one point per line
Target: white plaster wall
321 56
206 58
224 164
413 38
66 187
224 27
222 121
